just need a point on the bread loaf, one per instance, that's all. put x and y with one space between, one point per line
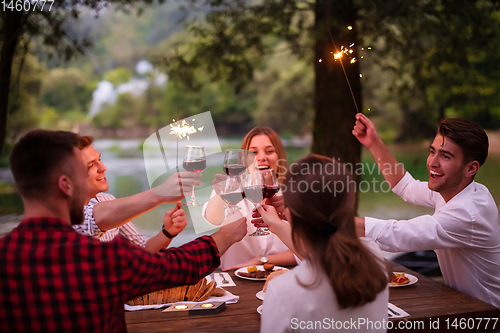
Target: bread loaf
193 293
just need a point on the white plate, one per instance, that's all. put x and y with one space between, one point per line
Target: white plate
413 280
259 268
260 295
259 309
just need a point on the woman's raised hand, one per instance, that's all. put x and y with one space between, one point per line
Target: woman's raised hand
266 217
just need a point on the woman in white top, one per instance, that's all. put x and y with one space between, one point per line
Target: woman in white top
342 283
270 154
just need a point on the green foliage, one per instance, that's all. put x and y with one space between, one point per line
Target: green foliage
10 199
118 76
285 93
251 63
231 112
232 41
440 58
119 115
23 113
66 90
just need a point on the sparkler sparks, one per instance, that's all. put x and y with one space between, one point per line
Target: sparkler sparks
347 51
183 129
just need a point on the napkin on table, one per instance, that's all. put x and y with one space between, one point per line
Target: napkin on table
218 279
401 312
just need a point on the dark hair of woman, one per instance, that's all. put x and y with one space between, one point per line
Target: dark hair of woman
323 230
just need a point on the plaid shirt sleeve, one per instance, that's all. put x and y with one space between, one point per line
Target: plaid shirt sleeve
55 280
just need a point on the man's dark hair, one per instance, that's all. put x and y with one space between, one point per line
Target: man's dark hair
36 156
468 135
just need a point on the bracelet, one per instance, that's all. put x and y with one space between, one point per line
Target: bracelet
166 233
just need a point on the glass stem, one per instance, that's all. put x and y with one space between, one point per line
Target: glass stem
193 199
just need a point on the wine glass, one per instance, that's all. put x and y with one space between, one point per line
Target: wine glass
254 188
194 161
232 193
234 162
271 185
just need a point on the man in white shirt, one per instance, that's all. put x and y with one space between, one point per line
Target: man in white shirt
464 230
107 217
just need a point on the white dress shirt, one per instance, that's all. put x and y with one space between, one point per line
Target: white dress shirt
464 232
292 307
90 228
250 246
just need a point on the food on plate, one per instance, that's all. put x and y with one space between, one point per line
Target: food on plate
272 276
399 279
268 266
255 275
252 269
259 273
195 293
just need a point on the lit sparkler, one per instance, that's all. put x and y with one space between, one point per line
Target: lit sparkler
182 130
338 56
347 51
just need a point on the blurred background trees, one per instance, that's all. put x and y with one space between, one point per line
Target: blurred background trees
255 62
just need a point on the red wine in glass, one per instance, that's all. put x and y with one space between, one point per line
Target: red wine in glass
255 193
271 191
233 198
195 161
233 170
197 165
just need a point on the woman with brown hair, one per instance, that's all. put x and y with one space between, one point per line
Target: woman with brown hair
342 277
269 154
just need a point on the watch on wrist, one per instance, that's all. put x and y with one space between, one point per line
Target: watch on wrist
166 233
263 260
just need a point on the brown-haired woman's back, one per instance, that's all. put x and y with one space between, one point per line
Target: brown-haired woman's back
342 284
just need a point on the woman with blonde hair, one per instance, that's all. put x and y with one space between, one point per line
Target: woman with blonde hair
269 154
342 277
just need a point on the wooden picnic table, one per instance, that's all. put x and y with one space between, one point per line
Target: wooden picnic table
428 302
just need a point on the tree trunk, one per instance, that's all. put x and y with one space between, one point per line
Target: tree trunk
11 32
334 105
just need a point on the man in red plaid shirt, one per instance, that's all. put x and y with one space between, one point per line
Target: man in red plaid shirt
53 279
